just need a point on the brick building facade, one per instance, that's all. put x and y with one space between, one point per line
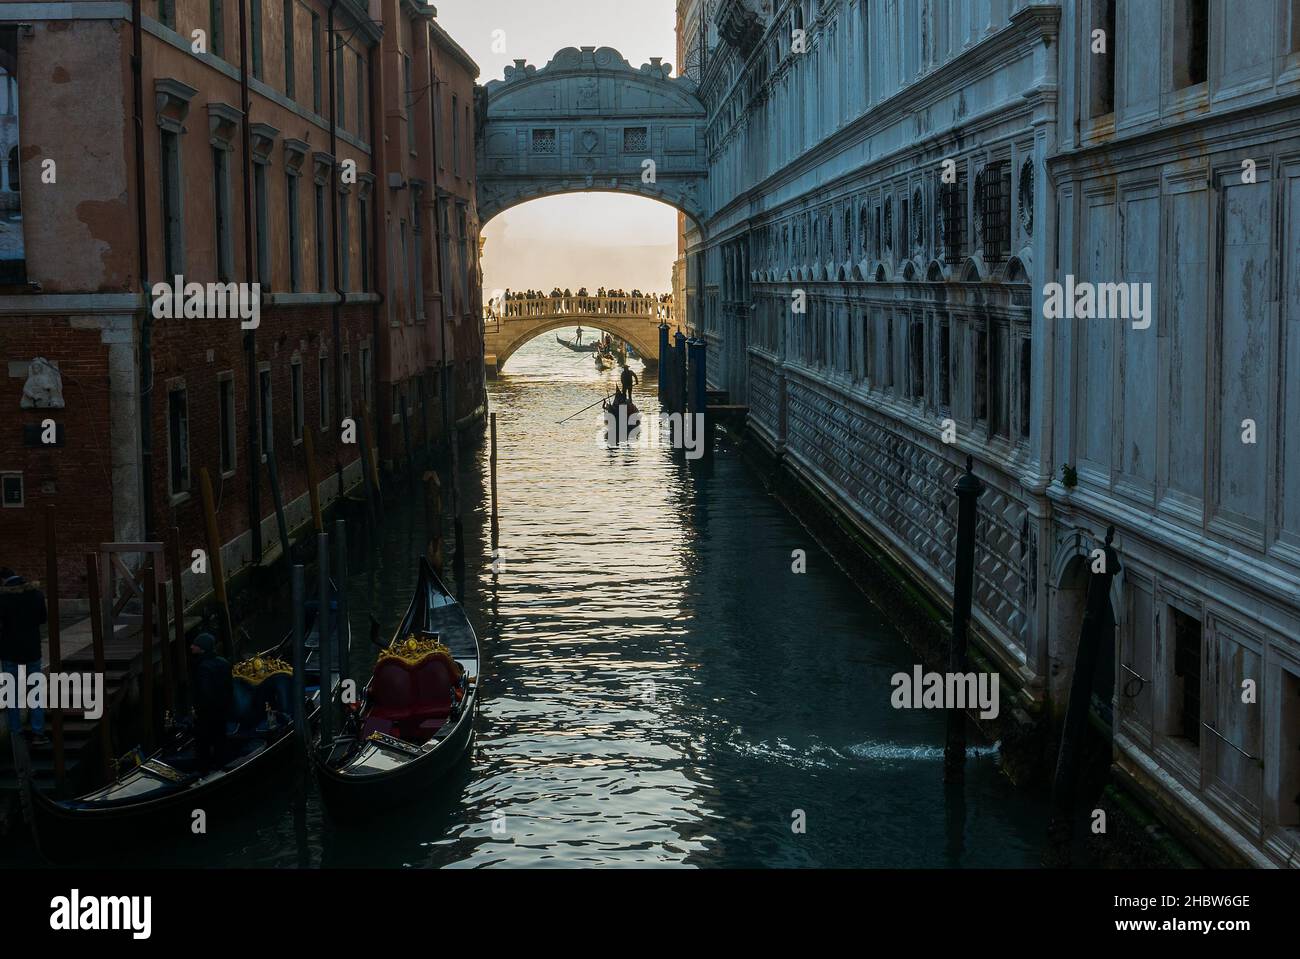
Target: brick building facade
258 142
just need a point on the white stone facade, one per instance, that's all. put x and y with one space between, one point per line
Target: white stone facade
925 304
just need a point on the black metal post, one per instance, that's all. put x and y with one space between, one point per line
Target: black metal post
323 657
968 489
341 574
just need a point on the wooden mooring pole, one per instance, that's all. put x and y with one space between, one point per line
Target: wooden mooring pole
458 558
341 575
52 621
277 499
323 656
299 598
492 465
106 756
216 567
968 489
178 613
313 482
146 651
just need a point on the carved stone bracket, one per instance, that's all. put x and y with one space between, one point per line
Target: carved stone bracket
223 124
172 103
322 165
262 136
295 152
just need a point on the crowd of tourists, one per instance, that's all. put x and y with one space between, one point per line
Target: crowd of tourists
603 302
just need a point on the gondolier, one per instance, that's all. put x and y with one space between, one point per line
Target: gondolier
627 378
213 696
579 340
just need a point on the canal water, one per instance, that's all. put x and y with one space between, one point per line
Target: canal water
660 687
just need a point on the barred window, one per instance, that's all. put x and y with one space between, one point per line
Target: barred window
636 140
952 220
544 141
994 184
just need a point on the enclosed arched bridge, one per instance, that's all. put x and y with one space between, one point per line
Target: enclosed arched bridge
509 324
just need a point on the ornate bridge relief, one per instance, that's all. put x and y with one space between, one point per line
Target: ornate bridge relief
588 121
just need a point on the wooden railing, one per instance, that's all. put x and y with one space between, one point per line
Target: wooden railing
647 307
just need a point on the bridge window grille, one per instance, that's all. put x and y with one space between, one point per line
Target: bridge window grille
952 203
995 210
636 139
544 142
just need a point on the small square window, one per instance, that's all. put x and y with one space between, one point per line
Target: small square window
544 141
11 490
636 140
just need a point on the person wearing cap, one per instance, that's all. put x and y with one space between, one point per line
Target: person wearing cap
22 611
214 693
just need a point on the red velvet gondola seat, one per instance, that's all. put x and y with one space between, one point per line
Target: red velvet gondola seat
411 691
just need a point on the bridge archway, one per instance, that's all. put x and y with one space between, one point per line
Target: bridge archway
590 122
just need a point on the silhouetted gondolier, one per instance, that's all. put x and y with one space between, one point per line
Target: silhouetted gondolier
579 336
627 378
213 695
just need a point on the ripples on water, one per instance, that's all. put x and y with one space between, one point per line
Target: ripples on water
660 688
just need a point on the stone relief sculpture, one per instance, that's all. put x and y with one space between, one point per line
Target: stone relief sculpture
44 387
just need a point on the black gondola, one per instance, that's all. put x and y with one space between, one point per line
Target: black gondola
416 716
576 346
156 798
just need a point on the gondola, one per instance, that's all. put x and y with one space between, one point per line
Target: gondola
619 414
416 715
156 798
603 362
577 347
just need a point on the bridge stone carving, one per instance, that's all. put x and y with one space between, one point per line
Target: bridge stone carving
588 121
635 319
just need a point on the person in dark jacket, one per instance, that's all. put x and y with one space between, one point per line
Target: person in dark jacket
214 692
627 378
22 611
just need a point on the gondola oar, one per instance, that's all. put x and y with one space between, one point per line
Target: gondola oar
603 399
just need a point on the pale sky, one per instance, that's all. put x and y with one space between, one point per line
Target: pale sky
581 239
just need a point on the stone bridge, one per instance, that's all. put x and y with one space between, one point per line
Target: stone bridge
509 324
591 122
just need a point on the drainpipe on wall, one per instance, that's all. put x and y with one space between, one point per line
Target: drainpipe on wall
146 319
334 220
250 336
378 210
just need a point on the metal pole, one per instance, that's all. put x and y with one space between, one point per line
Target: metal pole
341 574
323 656
299 593
968 489
52 619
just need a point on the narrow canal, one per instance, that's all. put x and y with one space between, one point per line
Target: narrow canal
660 687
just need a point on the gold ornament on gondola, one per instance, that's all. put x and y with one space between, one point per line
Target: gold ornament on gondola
415 649
257 670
